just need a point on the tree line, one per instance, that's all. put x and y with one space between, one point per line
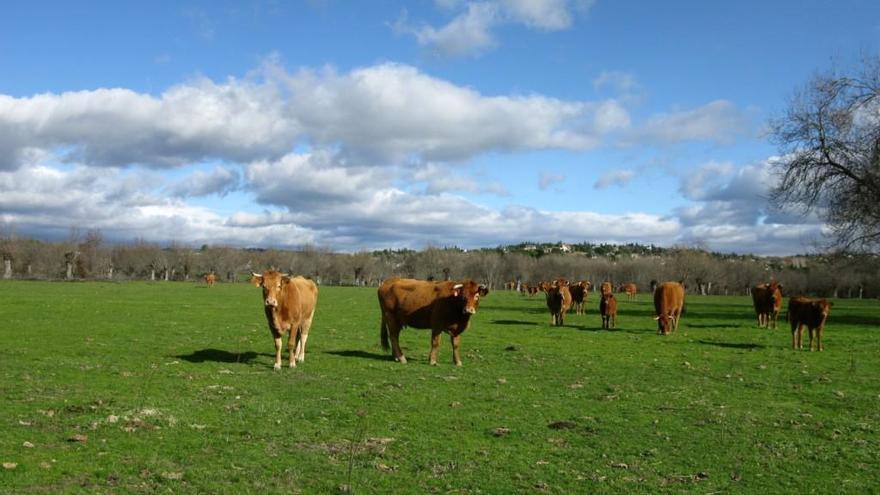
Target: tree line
89 257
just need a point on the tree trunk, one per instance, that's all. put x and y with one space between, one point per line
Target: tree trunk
69 270
110 273
7 268
152 274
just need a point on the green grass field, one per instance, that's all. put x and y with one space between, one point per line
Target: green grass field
169 388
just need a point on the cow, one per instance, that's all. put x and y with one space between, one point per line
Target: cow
558 301
630 289
812 313
668 304
579 293
605 288
767 299
608 310
210 278
440 306
289 303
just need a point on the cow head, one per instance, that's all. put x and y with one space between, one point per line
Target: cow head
271 282
469 292
665 323
823 307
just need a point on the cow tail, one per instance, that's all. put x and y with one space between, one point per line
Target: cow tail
383 333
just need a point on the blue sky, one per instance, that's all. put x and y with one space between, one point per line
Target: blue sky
365 125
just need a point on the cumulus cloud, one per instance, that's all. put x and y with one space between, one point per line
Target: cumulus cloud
730 211
547 179
386 113
470 32
238 120
391 112
719 121
220 181
439 179
619 178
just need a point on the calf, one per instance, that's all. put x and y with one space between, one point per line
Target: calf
440 306
767 300
668 303
210 278
558 300
579 293
289 304
608 310
812 313
630 290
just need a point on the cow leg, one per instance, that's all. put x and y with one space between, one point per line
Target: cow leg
303 338
793 336
613 321
435 346
277 339
456 344
819 332
292 347
394 335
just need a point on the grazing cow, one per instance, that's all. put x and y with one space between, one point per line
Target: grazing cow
605 288
210 278
608 310
579 293
289 303
440 306
812 313
630 289
767 299
668 304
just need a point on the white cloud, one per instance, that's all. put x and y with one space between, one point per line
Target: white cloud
219 181
550 15
719 121
618 178
238 120
439 179
470 32
547 179
391 112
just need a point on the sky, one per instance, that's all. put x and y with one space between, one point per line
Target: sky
355 125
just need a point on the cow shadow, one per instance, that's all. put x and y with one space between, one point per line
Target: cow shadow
362 355
731 345
220 356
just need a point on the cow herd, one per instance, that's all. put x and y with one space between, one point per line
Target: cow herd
447 307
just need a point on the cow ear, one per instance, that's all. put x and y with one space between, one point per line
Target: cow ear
456 290
257 280
285 279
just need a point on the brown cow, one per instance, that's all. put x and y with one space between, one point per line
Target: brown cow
630 289
289 304
210 278
579 292
440 306
558 300
608 310
668 303
812 313
767 299
605 288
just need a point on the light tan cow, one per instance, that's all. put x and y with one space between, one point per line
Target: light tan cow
289 304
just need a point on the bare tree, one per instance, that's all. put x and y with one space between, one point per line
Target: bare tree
829 140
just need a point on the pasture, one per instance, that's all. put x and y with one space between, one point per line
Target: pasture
169 388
